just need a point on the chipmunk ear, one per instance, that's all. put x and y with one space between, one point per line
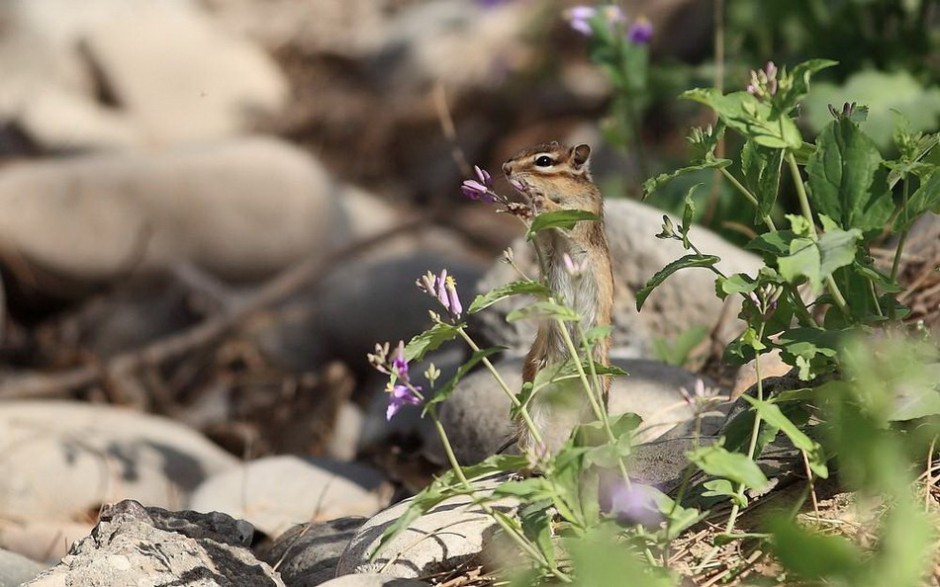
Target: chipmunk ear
580 155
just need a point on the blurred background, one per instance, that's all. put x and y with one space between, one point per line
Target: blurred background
210 210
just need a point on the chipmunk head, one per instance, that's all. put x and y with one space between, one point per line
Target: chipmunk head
554 176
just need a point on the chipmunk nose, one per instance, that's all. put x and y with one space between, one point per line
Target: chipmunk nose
507 167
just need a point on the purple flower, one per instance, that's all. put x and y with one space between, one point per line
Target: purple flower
483 176
473 189
454 306
444 288
634 504
640 32
579 17
399 396
400 363
572 267
763 82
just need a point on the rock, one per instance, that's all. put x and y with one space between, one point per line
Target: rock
274 493
16 570
373 580
346 28
476 416
347 430
307 554
358 305
42 540
684 300
452 532
205 84
134 545
217 206
458 45
62 459
771 365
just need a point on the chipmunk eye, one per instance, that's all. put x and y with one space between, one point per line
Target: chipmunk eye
544 161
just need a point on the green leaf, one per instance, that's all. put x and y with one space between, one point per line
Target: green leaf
430 340
678 351
537 527
754 119
522 286
739 283
723 488
448 388
800 75
661 275
927 197
809 348
565 219
816 260
774 244
843 179
717 461
813 556
654 183
543 309
761 168
772 414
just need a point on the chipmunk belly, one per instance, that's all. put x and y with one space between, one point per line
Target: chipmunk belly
558 407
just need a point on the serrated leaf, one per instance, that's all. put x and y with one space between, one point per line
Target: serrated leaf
522 286
545 309
761 167
754 119
429 340
817 259
844 178
654 183
717 461
537 527
661 275
564 219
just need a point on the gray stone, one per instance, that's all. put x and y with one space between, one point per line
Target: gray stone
16 569
360 304
450 533
684 300
373 580
134 545
63 459
275 493
216 207
307 554
476 416
42 540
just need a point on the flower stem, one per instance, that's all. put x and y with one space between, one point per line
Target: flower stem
502 384
766 219
903 237
507 527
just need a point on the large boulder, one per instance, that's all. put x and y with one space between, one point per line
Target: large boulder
238 209
62 459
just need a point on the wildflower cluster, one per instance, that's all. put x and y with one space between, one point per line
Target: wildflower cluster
401 390
589 20
481 189
444 288
763 82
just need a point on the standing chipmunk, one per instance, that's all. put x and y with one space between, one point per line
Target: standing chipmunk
556 177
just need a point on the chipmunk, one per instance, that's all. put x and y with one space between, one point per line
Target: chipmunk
556 177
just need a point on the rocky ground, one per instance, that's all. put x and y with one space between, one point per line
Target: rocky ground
211 211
